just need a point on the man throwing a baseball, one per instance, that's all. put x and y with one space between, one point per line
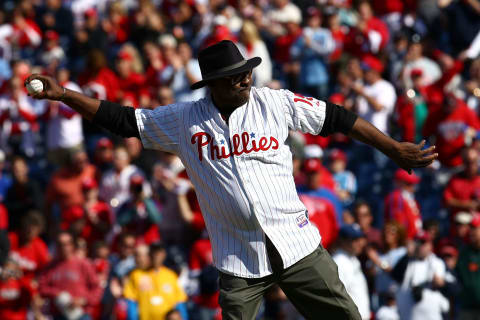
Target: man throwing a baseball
232 144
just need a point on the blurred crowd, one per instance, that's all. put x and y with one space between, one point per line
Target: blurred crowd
93 226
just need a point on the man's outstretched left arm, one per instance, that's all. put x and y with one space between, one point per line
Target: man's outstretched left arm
405 154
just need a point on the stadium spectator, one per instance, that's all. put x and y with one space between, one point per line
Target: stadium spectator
364 218
53 15
103 155
173 314
394 240
53 54
202 269
18 118
64 189
453 126
182 71
70 283
420 274
322 214
5 179
115 183
64 125
416 60
27 250
312 49
152 292
254 46
400 204
97 79
139 215
351 244
460 231
346 182
377 98
463 190
468 267
315 186
17 294
97 217
23 195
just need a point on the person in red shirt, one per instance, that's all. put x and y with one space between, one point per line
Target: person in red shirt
70 282
65 186
454 126
200 258
27 249
98 80
400 204
322 214
463 190
93 220
413 107
17 294
129 81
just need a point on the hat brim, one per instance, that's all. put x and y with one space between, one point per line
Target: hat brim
251 63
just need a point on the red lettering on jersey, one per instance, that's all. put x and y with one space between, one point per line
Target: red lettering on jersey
198 138
303 99
240 145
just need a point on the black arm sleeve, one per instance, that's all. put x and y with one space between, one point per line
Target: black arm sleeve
337 119
117 119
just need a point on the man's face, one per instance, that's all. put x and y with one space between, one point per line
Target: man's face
233 90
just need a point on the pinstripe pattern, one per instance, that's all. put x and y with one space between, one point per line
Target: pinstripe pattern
242 173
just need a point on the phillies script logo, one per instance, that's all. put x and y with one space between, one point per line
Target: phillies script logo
237 146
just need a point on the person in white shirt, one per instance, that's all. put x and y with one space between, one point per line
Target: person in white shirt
115 183
352 242
377 98
418 297
64 125
415 59
233 146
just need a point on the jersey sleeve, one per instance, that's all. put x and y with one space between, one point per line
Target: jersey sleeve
305 114
159 128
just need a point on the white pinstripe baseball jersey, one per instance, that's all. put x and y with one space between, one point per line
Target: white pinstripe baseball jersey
242 173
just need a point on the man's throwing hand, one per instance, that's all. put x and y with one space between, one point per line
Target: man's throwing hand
51 89
409 155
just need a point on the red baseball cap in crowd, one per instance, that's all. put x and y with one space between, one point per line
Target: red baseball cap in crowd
312 165
104 143
71 215
313 12
404 176
124 55
338 154
90 13
423 236
372 63
476 220
51 35
448 250
136 179
416 73
89 184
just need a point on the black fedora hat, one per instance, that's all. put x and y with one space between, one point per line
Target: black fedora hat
220 60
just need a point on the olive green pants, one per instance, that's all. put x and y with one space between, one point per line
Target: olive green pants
312 285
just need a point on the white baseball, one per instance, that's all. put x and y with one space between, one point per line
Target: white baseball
35 86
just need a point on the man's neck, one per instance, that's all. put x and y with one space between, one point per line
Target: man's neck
225 110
